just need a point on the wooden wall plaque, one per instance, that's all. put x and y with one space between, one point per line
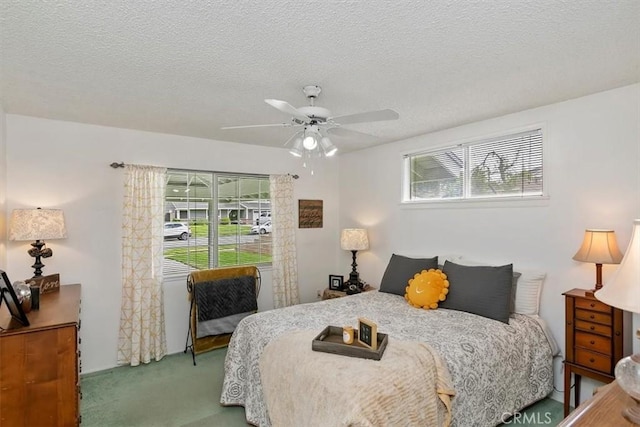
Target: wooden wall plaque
309 213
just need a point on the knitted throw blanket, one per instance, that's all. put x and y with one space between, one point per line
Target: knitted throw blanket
409 386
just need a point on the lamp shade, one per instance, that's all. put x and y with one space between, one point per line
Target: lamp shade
622 290
599 247
37 224
354 239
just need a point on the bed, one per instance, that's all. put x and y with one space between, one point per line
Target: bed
496 368
496 350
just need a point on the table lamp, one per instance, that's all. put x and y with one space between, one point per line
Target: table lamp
623 291
599 247
354 240
39 225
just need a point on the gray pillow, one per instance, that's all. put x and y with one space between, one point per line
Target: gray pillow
482 290
400 269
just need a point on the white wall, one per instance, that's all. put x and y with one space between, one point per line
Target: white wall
65 165
592 175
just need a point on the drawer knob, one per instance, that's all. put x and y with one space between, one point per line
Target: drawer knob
593 328
592 305
592 342
592 360
592 317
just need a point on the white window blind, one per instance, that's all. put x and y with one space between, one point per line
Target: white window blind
221 210
506 166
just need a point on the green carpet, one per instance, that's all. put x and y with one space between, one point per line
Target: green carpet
171 392
175 393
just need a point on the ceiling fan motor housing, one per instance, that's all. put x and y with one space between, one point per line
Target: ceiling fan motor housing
318 114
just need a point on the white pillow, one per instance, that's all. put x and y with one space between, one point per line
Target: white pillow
450 257
528 288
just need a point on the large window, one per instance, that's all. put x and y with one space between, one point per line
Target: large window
215 220
507 166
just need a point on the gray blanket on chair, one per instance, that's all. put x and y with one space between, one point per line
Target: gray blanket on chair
223 303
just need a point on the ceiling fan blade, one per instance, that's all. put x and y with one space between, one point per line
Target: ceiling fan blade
282 125
285 107
369 116
348 133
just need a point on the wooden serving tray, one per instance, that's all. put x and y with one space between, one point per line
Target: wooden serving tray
330 341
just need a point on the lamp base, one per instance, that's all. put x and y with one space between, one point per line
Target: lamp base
38 252
632 413
628 377
354 286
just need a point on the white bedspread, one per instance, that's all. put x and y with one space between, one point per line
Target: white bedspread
408 387
496 368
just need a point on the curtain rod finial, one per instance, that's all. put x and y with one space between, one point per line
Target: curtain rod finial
117 165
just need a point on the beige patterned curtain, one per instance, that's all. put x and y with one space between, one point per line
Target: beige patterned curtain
283 221
142 334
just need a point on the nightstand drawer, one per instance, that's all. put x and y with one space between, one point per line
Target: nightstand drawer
593 327
593 305
589 359
593 316
594 342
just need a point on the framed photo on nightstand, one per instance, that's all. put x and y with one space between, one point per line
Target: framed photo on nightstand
335 282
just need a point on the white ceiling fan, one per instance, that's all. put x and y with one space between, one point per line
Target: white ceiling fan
317 123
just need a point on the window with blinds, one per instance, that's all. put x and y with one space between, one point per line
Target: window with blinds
507 166
215 220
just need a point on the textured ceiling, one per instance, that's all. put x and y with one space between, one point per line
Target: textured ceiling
189 68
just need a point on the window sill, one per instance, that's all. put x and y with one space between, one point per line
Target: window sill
507 202
182 277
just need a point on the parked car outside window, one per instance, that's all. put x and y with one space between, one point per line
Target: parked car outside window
263 218
176 230
262 229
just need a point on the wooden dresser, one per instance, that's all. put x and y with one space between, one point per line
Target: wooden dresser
39 363
594 341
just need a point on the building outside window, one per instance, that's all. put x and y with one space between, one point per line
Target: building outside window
219 210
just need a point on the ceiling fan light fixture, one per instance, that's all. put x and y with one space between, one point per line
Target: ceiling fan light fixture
311 136
296 149
309 142
328 147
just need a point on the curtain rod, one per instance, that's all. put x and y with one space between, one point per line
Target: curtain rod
117 165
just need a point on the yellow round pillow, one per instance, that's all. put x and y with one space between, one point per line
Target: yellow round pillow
427 288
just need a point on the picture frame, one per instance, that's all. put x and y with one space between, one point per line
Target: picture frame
336 282
8 295
367 333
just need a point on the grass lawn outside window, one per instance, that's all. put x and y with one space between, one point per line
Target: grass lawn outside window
228 254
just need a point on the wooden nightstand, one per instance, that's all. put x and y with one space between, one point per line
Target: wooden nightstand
331 294
594 341
604 409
